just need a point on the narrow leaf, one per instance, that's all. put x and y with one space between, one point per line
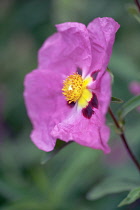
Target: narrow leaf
111 185
132 196
116 100
57 149
133 10
129 106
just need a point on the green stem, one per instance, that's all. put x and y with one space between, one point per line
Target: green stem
138 4
122 136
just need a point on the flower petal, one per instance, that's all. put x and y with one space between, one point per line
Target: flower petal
88 132
102 34
46 106
66 50
103 92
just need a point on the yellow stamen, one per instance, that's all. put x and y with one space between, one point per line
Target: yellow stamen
75 89
72 88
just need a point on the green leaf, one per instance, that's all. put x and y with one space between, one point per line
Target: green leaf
133 10
57 149
116 100
129 106
111 185
132 196
70 174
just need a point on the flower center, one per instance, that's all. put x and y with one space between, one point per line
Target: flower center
73 87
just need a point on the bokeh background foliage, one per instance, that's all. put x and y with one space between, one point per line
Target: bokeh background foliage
76 177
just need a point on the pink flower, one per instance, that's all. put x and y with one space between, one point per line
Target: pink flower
134 88
68 95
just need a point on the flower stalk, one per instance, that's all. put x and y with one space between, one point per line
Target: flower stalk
124 140
138 4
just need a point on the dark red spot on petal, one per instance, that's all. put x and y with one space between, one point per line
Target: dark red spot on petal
79 71
94 101
87 112
94 74
71 104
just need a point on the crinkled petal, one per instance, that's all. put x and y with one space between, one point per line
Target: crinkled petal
92 132
103 92
67 49
102 34
45 104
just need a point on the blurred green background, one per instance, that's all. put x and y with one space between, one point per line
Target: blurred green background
72 177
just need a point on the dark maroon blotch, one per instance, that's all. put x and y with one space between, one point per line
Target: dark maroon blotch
94 101
79 71
71 104
94 74
87 112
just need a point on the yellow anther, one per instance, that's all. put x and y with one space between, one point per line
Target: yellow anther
73 87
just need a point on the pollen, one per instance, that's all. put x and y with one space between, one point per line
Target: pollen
73 87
